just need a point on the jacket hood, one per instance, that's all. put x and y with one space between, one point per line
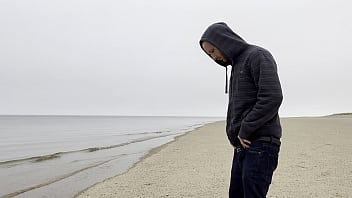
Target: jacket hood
223 38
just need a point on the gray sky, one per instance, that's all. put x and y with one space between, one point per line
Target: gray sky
139 57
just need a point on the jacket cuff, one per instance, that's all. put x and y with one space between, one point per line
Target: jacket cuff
244 132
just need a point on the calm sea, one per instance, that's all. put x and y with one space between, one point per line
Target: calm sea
59 156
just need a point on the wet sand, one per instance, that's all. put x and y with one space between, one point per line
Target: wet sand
315 161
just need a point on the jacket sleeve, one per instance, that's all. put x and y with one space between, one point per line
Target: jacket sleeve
269 94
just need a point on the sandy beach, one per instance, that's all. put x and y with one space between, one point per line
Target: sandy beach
315 161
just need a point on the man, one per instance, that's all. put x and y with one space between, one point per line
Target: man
253 125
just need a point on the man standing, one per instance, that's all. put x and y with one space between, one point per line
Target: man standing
253 124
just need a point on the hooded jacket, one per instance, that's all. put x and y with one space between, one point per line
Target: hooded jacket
255 92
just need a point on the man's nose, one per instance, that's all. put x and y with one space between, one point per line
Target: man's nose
214 57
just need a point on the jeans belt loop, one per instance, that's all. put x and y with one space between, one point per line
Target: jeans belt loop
238 149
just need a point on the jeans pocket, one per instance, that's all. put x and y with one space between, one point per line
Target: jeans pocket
260 165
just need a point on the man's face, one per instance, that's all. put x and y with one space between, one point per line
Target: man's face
213 52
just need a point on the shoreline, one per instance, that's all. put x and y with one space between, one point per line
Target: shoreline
81 153
315 161
157 152
150 153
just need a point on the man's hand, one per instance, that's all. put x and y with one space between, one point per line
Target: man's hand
245 143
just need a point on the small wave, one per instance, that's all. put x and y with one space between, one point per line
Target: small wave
149 132
35 159
124 144
46 157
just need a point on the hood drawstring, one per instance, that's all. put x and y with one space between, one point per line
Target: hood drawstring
226 81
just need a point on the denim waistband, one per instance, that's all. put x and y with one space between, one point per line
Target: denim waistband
270 139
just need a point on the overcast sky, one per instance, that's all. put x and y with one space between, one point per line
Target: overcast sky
138 57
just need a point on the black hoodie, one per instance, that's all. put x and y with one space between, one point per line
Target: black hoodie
255 92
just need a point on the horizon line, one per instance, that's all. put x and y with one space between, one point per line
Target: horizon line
107 115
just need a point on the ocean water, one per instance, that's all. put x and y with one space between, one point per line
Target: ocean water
59 156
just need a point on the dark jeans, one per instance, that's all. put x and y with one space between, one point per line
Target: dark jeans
252 170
